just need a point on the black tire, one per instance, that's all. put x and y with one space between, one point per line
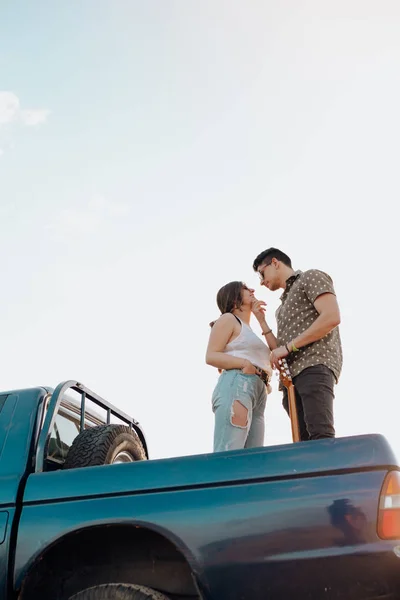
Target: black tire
101 445
118 591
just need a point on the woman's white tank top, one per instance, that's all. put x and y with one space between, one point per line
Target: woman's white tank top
248 345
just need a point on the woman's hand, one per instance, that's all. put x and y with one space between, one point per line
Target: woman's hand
258 309
249 368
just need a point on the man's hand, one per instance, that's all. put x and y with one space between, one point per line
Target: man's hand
276 355
258 309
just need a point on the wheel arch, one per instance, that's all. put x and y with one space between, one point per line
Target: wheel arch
131 544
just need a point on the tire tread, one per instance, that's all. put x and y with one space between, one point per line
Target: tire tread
91 446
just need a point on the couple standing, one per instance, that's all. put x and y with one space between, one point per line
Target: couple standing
307 337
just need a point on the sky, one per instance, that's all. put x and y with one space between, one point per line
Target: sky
150 150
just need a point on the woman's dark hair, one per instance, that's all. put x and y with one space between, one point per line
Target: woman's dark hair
229 297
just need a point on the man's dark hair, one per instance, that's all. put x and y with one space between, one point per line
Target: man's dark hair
268 255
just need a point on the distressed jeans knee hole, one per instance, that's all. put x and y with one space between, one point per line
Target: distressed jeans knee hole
239 415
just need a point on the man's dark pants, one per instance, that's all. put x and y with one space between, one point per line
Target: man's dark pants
314 401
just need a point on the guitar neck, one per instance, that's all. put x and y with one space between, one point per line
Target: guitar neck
294 418
286 379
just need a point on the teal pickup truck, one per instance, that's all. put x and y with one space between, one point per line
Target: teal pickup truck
84 515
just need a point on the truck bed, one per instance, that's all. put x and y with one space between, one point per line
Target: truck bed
251 524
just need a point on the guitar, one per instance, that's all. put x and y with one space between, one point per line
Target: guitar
287 381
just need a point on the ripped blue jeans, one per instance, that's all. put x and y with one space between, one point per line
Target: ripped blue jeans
238 404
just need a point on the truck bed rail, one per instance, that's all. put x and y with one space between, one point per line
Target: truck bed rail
86 394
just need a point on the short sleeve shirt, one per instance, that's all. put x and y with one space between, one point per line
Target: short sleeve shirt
297 312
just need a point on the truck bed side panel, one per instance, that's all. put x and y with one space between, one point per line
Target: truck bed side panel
246 540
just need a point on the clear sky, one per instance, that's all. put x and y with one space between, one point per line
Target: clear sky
150 150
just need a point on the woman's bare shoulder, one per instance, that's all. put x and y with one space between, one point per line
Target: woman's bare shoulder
225 321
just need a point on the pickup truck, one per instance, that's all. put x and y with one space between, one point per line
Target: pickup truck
85 515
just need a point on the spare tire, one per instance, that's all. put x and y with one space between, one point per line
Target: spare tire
104 445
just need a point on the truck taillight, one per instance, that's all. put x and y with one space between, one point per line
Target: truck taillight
389 507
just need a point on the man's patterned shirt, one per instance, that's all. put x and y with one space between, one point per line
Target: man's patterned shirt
297 312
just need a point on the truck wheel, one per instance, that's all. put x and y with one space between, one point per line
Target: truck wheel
119 591
104 445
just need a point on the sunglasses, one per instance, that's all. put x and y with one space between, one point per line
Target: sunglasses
261 271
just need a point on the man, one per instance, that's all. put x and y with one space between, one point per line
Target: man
308 337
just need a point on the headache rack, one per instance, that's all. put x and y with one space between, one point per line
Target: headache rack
86 394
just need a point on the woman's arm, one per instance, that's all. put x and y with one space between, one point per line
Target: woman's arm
258 310
220 335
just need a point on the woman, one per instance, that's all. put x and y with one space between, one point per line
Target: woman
242 358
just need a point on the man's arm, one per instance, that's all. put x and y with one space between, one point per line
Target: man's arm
328 318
